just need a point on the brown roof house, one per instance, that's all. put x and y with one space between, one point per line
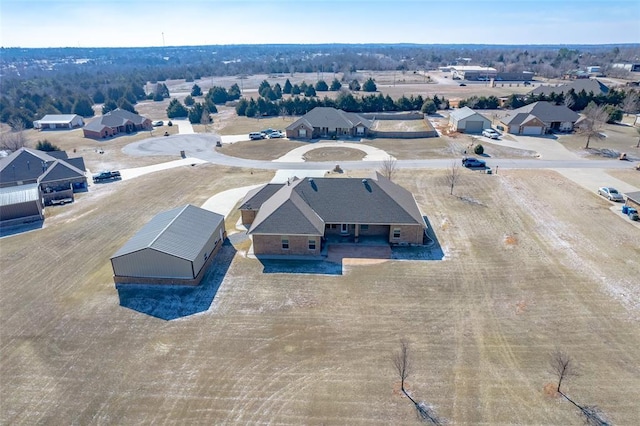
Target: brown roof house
114 122
328 122
57 175
303 215
539 118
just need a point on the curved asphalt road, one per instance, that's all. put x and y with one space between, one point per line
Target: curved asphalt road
203 147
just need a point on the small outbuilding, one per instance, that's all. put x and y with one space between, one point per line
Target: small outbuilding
175 248
20 204
466 120
59 121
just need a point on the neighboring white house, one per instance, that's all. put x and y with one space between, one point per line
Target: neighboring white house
466 120
59 121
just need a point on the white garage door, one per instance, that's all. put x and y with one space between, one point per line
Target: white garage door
531 130
302 133
473 126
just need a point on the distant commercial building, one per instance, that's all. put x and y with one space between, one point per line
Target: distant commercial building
473 72
628 67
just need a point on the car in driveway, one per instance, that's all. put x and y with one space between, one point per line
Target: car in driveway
157 123
491 134
256 136
106 175
472 163
611 193
275 135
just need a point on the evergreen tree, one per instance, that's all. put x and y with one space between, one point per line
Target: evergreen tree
322 86
369 85
287 89
83 107
108 106
188 101
196 90
335 85
176 109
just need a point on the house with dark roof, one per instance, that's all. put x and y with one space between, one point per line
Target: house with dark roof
175 247
57 175
588 85
304 215
115 122
59 121
328 122
539 118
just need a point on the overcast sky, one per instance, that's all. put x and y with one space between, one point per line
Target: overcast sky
128 23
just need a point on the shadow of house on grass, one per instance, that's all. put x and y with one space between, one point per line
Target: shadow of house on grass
430 250
170 302
299 266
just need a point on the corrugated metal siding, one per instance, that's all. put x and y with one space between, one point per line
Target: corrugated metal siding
152 263
200 260
20 210
19 194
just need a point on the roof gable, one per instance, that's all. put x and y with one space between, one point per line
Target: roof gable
294 208
256 197
60 170
24 164
548 112
331 118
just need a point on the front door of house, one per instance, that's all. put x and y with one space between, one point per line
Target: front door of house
344 228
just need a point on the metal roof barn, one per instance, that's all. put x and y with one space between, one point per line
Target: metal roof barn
174 247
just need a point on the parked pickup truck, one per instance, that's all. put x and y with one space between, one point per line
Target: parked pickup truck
106 175
61 201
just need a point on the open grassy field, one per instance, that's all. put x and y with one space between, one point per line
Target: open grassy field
525 270
618 138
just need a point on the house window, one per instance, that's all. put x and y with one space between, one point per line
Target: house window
344 228
285 244
364 227
396 233
312 244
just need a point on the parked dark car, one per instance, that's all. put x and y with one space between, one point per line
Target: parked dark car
471 162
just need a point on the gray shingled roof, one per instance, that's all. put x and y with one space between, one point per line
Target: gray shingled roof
254 198
117 117
588 85
181 232
635 196
336 200
331 118
61 170
27 164
545 111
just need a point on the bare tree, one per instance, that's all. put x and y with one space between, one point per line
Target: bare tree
15 139
595 118
630 102
389 167
403 365
568 100
206 120
452 177
563 367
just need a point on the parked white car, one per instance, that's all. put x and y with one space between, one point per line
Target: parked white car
611 193
491 134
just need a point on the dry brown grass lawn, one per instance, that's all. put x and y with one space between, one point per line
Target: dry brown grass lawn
400 125
619 138
334 154
523 274
264 149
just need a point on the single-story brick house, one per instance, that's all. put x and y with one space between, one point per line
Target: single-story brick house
175 247
57 175
305 214
328 122
114 122
59 121
539 118
466 120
